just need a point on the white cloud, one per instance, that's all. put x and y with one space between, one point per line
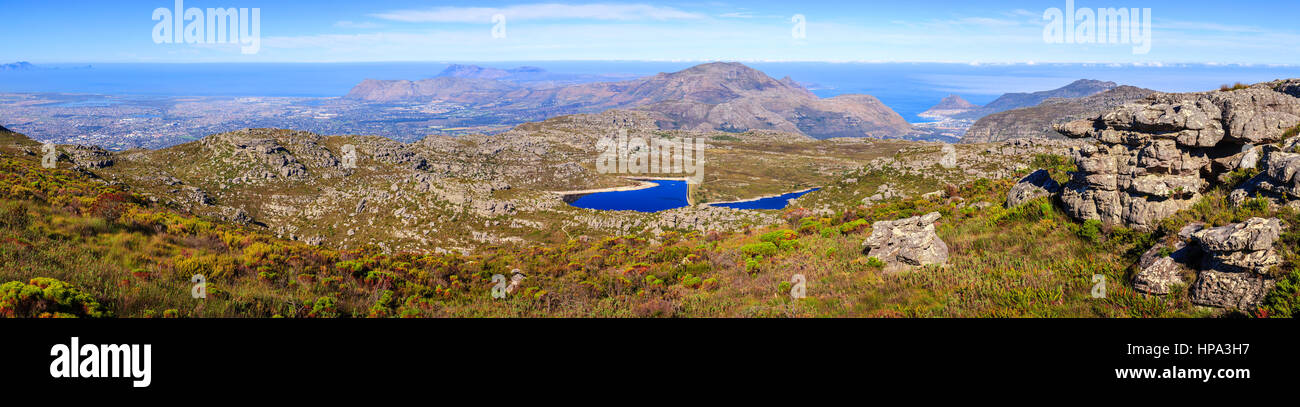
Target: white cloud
737 14
350 24
549 11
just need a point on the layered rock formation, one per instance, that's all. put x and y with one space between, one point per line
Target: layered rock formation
907 242
1231 264
1156 156
1277 181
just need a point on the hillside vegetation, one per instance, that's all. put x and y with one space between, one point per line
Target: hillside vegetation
72 246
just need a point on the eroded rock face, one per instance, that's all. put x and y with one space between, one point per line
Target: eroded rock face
1231 264
1243 291
1159 271
907 242
1277 181
90 156
1241 247
1035 185
1156 156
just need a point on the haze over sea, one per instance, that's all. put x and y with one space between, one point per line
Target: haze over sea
908 88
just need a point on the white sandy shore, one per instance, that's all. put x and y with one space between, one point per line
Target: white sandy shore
642 183
761 197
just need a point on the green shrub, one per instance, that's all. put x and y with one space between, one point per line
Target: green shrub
1284 300
1235 86
788 245
776 237
1090 230
324 307
46 297
752 264
1291 132
875 262
830 232
759 249
854 226
809 226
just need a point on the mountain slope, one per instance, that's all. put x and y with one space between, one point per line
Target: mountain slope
110 252
1076 89
1037 121
715 96
951 105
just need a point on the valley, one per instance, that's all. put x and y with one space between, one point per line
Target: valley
299 224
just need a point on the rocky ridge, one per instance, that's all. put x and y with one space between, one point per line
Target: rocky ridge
1155 157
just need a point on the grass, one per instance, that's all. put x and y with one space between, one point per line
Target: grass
1235 86
111 253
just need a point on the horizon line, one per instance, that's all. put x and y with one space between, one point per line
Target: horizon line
1155 64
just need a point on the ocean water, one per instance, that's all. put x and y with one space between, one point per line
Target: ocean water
908 88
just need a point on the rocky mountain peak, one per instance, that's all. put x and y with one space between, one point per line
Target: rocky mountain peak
954 102
472 71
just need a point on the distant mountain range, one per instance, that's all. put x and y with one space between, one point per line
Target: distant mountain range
1037 121
1076 89
715 96
17 66
955 108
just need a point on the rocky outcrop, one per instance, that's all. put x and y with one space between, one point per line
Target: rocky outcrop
1156 156
89 156
1231 264
1245 247
907 242
884 192
1163 266
1036 185
1277 181
1243 291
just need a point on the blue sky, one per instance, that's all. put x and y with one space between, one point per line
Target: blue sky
1216 32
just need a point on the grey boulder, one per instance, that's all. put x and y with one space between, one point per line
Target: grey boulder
909 242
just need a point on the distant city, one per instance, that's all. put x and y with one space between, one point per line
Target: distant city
125 122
